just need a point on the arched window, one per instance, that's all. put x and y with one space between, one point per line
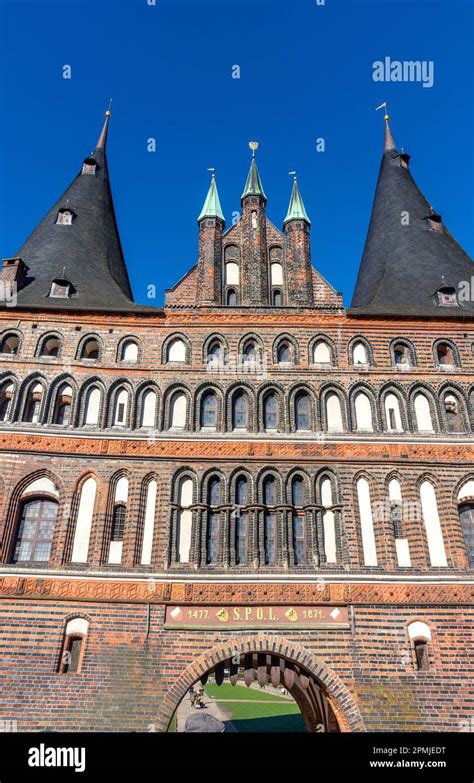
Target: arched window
35 530
241 521
62 412
321 353
209 410
149 522
444 354
420 637
329 521
178 411
73 646
434 535
360 354
90 349
302 411
185 520
454 419
466 518
334 413
231 297
297 499
284 353
121 408
392 413
33 404
269 521
176 351
119 516
148 414
129 352
6 396
270 412
276 273
240 412
50 346
92 406
215 354
366 522
213 521
401 355
10 344
363 413
424 421
85 515
249 354
232 273
396 520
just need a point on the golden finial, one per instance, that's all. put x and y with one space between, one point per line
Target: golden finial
253 146
108 113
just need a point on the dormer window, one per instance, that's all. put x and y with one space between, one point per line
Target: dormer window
404 160
447 297
61 289
435 222
89 166
64 218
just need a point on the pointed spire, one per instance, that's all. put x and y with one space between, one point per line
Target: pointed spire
212 205
389 143
102 140
296 210
253 185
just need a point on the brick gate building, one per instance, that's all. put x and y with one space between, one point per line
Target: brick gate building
251 481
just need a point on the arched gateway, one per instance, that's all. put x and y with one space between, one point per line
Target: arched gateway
325 702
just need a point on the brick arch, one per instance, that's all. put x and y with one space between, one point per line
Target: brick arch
341 700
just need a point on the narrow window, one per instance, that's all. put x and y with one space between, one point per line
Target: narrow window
241 521
73 646
444 354
270 414
231 297
277 297
209 410
303 412
213 520
466 517
240 412
284 353
421 655
118 522
269 521
297 496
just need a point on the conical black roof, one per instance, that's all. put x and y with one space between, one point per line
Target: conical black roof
88 252
409 253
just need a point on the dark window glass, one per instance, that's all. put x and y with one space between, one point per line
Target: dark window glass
270 492
231 297
4 406
32 410
421 654
270 417
35 531
241 537
64 414
277 298
241 412
396 518
284 354
250 353
72 654
297 491
298 538
270 537
118 521
466 516
303 412
214 492
400 354
392 421
241 492
445 355
209 410
215 354
212 537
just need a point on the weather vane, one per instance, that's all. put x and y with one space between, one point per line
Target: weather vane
383 106
212 170
292 172
253 146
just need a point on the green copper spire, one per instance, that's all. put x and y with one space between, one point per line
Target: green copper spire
212 205
296 210
253 185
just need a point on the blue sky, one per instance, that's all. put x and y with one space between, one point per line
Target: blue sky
305 73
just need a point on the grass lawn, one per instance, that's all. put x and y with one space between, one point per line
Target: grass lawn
252 714
226 691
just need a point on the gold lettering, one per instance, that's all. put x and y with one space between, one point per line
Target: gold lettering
248 612
236 613
259 613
